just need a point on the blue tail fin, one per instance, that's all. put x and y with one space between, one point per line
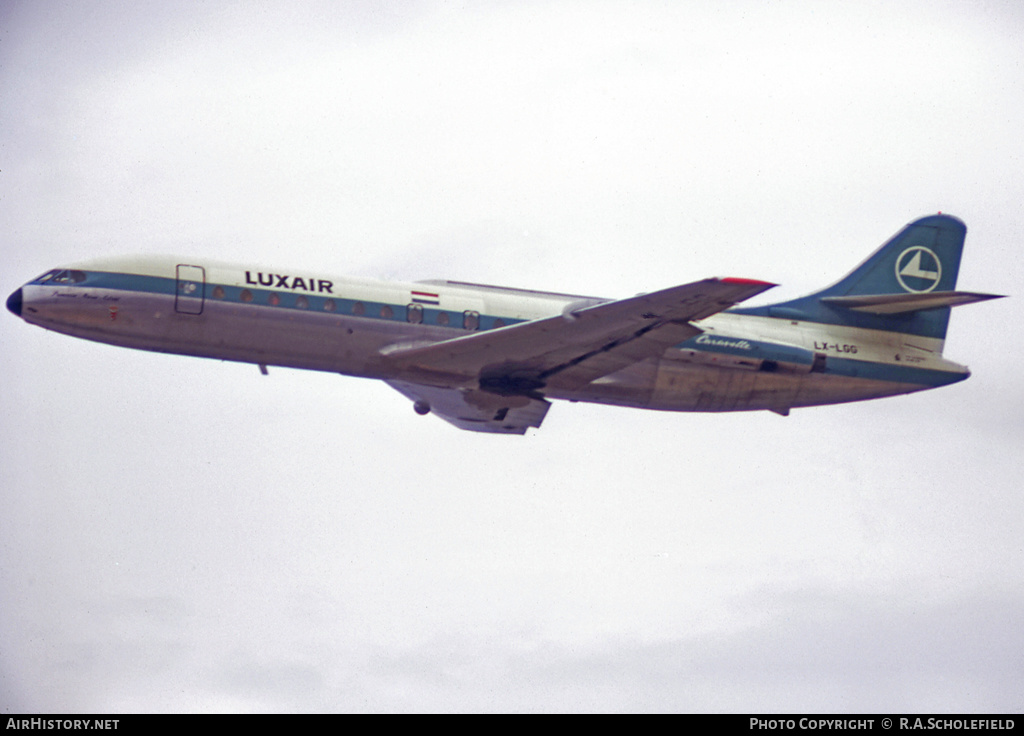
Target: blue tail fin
922 258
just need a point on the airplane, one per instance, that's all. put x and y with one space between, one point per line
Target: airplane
490 358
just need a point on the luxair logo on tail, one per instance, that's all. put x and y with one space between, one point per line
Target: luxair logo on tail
918 269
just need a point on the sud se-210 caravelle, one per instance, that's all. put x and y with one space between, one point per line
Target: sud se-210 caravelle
488 358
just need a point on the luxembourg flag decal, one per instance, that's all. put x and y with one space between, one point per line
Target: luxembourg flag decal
425 297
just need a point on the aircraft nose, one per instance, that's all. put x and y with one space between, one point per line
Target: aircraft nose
14 302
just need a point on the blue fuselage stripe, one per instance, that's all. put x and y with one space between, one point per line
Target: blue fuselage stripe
286 299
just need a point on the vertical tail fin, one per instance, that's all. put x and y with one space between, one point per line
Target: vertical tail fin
905 286
922 257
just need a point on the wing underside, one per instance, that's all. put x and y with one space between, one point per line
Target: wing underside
474 375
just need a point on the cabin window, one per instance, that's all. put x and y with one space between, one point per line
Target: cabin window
218 292
442 319
414 313
471 320
245 296
499 322
301 302
359 309
273 300
387 312
330 306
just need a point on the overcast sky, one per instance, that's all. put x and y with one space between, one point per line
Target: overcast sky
178 534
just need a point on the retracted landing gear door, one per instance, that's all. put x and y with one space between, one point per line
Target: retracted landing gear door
188 295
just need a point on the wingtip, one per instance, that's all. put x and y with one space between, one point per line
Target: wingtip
748 282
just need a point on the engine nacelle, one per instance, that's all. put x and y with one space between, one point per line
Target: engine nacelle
723 351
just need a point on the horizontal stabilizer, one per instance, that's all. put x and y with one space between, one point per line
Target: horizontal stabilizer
901 303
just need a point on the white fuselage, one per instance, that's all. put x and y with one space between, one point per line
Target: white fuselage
346 325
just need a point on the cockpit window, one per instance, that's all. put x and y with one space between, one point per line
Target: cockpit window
65 276
48 275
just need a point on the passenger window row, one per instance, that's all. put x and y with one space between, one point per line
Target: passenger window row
414 313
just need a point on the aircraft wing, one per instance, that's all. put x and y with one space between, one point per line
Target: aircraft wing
476 410
574 348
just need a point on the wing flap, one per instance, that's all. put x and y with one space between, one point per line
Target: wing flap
476 410
615 356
